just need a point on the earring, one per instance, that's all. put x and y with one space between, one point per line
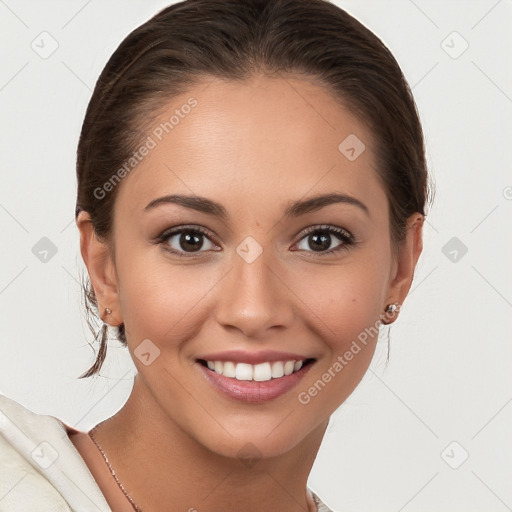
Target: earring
391 308
108 311
390 312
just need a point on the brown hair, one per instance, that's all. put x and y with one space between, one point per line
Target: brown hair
192 40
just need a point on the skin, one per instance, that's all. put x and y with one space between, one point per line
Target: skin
183 434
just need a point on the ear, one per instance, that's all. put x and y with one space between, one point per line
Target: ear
101 269
405 263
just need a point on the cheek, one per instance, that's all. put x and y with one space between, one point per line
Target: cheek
343 300
343 308
161 300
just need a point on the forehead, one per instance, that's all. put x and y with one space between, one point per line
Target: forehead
242 141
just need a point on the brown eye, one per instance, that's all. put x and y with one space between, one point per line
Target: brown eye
186 240
320 239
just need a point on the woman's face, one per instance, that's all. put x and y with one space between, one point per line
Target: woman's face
255 285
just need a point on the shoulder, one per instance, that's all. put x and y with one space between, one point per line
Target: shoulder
40 469
22 487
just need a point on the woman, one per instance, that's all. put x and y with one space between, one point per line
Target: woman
251 196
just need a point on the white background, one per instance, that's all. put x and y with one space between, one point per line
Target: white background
449 375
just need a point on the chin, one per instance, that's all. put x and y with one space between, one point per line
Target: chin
252 445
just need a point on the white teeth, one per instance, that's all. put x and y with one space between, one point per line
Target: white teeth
277 369
288 367
229 369
259 372
262 372
243 371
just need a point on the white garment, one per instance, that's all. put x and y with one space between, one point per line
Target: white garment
40 468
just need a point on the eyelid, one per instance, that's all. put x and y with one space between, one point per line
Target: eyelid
327 227
185 227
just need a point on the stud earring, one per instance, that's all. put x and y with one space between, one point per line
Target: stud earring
108 311
390 313
392 308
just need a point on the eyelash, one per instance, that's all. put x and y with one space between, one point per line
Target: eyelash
347 238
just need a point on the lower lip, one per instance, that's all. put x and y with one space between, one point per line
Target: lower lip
253 391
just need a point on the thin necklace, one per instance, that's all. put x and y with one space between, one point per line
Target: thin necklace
135 507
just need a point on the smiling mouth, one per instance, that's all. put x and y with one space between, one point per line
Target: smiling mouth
261 372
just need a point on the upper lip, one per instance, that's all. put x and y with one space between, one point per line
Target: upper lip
241 356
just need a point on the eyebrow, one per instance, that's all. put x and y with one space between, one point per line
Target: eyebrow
294 209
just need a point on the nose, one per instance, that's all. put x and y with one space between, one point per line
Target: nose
255 298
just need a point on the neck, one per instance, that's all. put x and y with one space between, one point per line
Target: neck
158 463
